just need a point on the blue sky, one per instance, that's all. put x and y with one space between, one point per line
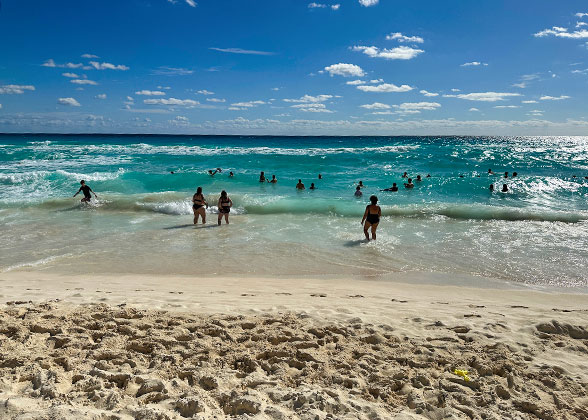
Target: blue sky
355 67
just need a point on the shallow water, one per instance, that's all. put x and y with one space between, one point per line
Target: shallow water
535 234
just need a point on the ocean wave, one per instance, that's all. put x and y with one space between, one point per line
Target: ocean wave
178 204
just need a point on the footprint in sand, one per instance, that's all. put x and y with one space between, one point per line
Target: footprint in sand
399 301
218 291
247 294
519 307
284 293
355 296
318 295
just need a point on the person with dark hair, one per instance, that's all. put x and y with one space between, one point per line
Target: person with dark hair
262 177
405 175
300 185
409 184
198 206
514 174
86 190
491 188
393 188
224 207
320 176
504 188
273 180
358 192
231 174
371 218
312 187
419 179
360 185
506 174
490 172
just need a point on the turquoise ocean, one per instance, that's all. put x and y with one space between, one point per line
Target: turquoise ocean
450 223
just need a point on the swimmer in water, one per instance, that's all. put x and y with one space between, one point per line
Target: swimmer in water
419 179
262 177
428 175
320 176
273 180
393 188
300 185
371 217
224 207
360 185
198 206
491 188
504 188
514 174
312 187
358 192
231 174
490 172
405 175
86 190
506 174
409 184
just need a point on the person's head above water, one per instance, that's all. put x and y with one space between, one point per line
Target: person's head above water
360 182
273 177
357 188
418 178
514 174
374 200
199 190
82 182
504 188
300 181
394 184
409 180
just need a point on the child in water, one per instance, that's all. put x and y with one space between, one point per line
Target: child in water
86 190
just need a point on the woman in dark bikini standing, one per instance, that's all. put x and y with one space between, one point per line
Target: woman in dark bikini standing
198 206
224 207
371 217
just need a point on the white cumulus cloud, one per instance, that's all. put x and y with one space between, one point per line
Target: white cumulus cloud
399 53
483 96
376 105
171 101
68 102
249 104
215 100
529 102
345 70
355 82
15 89
150 92
72 75
559 32
474 110
312 107
403 38
368 3
426 93
385 87
108 66
89 56
205 92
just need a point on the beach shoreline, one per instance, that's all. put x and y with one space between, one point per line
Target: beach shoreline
152 347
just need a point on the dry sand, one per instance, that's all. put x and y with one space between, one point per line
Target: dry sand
139 347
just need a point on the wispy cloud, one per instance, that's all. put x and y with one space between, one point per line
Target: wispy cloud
559 32
474 64
398 53
83 82
101 96
248 104
345 70
398 36
376 105
323 6
312 107
241 51
506 106
72 75
172 71
89 56
15 89
483 96
310 99
190 3
554 98
204 92
215 100
68 102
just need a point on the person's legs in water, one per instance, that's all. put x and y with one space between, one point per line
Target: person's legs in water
374 227
202 212
220 217
196 213
366 226
227 218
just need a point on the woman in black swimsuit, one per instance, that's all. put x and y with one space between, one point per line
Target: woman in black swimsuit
198 206
224 207
371 217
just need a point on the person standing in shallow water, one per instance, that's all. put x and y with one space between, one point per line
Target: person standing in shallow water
198 206
86 190
224 207
371 218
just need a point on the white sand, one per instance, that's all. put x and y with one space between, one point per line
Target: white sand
137 347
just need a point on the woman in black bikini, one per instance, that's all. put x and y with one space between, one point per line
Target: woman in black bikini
224 207
371 217
198 206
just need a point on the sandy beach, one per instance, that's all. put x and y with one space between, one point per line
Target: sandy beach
140 347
